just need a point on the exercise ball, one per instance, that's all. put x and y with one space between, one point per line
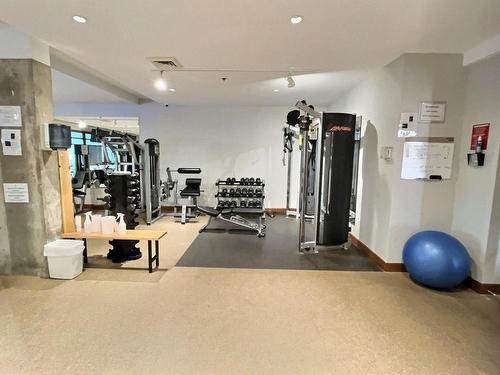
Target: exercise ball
436 259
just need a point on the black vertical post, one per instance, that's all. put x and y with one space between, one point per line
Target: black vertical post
150 261
157 253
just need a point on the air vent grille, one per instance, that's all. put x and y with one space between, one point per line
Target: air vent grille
165 63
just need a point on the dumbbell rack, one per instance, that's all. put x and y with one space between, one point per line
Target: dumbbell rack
123 196
240 194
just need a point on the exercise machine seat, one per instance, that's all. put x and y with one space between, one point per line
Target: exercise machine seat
213 211
189 170
192 188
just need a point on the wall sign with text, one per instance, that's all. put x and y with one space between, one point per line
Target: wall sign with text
480 130
432 111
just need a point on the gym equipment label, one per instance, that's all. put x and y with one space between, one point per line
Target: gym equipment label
10 116
16 193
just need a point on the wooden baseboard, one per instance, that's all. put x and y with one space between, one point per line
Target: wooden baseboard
383 265
89 207
276 211
482 288
271 211
400 267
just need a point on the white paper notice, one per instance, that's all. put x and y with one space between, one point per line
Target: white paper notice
10 116
11 142
432 111
408 125
16 193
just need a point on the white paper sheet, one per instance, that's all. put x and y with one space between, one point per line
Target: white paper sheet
10 116
11 142
16 193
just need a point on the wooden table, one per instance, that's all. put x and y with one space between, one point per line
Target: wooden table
136 235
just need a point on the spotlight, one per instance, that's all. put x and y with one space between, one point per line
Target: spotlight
296 19
276 90
291 82
161 83
171 89
79 19
82 124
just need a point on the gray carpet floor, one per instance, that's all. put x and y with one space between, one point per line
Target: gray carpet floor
220 247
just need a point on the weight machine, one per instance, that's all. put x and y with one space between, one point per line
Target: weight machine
326 168
142 160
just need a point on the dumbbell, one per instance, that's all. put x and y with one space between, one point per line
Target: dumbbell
238 192
251 180
233 180
224 192
242 181
257 204
228 180
250 192
258 192
131 199
231 192
233 203
245 181
258 181
243 204
244 192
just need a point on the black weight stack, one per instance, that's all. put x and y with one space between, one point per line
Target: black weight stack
123 197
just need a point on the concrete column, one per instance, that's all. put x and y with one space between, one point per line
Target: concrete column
26 227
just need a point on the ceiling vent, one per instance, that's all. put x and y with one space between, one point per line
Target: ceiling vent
165 63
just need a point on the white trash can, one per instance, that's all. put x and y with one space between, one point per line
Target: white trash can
65 258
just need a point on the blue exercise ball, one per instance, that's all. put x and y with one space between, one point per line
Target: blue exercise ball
436 259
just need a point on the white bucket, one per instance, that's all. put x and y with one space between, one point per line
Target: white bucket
65 258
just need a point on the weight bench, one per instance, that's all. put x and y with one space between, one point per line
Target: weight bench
191 192
230 215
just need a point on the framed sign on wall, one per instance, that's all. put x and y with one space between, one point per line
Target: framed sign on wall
432 111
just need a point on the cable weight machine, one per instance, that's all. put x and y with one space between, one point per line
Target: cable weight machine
326 168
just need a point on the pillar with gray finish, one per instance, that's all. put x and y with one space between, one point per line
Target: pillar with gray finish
26 227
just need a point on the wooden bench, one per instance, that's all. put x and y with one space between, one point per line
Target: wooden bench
136 235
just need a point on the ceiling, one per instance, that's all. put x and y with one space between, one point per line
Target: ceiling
69 89
123 124
342 38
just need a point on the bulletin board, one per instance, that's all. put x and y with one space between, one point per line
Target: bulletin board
427 158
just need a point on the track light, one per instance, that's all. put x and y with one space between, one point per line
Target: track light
291 82
161 82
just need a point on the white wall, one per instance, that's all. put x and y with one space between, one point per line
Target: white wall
476 218
222 141
390 210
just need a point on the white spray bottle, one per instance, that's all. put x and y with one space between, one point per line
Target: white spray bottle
78 223
87 225
121 227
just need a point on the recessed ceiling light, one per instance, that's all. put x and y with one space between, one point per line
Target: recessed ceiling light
79 19
296 19
276 90
171 90
82 124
